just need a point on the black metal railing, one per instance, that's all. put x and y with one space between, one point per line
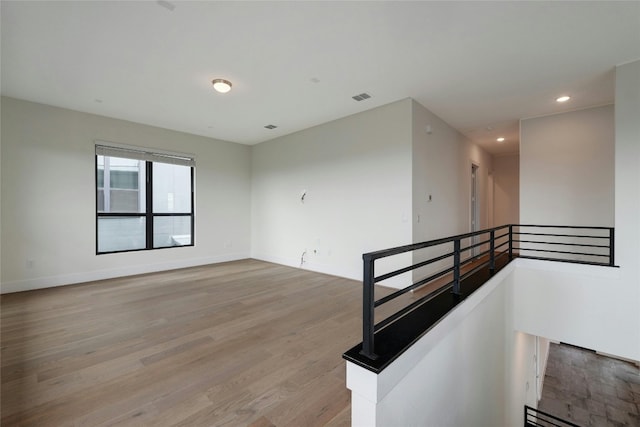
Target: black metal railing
589 245
461 256
536 418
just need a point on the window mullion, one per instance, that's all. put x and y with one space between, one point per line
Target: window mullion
149 204
193 215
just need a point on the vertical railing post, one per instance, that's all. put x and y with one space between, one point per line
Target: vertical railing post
492 248
456 267
612 247
510 242
368 308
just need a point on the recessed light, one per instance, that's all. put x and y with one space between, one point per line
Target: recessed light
563 98
501 139
221 85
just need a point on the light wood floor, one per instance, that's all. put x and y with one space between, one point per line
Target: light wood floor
240 343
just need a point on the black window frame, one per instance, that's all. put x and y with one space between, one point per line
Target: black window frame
149 215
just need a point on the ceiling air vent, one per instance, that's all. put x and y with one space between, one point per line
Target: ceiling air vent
270 127
361 97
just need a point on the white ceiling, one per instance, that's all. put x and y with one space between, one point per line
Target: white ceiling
477 65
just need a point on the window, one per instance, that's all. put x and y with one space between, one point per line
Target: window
144 200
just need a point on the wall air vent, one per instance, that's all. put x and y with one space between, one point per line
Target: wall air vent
270 127
361 97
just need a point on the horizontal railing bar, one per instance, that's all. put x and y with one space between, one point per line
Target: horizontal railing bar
431 278
501 245
563 244
562 226
561 252
466 261
412 306
533 411
562 235
481 254
535 421
503 235
409 288
411 267
475 245
415 246
604 264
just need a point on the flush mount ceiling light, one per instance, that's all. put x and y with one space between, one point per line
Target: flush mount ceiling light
563 98
221 85
501 139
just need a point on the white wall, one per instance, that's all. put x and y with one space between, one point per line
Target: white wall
437 172
356 173
583 305
48 197
1 234
527 356
442 159
366 179
520 381
627 182
593 307
588 306
567 168
506 189
441 165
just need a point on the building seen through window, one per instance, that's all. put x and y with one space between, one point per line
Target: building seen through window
142 203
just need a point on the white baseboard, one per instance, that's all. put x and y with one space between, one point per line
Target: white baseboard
309 265
353 274
90 276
